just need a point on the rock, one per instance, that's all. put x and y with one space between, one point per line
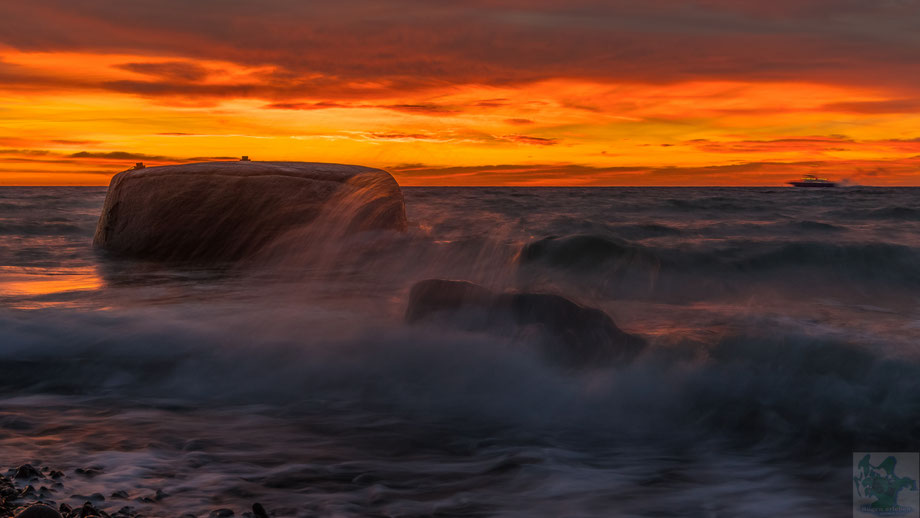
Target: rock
26 471
91 471
576 336
126 511
258 511
39 511
95 497
121 493
215 211
88 510
433 295
8 491
221 513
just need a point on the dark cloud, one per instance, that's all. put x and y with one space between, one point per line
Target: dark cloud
361 48
170 70
493 103
24 160
814 144
534 141
415 109
751 173
58 157
506 174
68 142
25 152
879 107
120 155
126 155
795 144
401 136
30 142
423 109
306 106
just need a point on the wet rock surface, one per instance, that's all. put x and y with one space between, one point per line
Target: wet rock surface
225 211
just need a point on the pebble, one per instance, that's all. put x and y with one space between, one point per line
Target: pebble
40 504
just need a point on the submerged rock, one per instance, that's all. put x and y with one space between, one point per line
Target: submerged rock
230 210
576 335
582 252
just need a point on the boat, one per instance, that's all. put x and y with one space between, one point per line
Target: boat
813 181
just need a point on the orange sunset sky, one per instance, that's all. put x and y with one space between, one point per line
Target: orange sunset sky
472 92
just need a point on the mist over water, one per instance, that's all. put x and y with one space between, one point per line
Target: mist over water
782 325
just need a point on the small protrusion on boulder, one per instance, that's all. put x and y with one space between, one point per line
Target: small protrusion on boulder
39 511
245 158
139 165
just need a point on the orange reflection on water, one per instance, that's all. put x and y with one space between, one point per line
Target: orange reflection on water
20 289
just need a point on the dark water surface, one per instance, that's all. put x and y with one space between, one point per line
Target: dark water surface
783 327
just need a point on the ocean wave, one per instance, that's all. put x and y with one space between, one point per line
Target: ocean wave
714 203
860 261
588 254
894 212
770 387
814 226
41 229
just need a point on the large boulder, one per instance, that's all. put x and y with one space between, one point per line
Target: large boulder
231 210
572 335
39 511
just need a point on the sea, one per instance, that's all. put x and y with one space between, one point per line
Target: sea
783 332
